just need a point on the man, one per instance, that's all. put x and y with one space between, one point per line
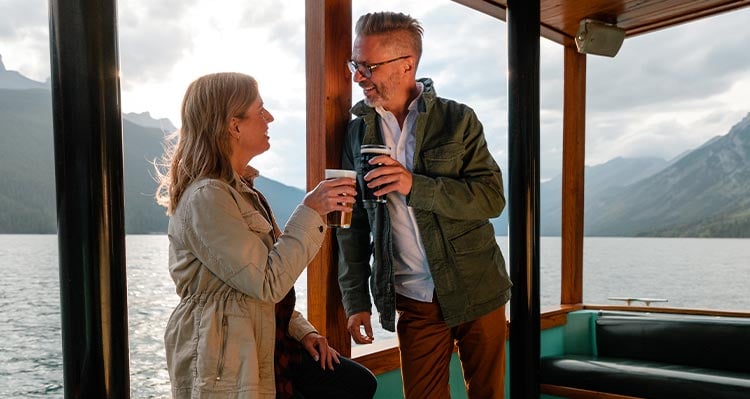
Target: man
436 260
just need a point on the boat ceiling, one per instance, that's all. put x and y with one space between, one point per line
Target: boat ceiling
560 18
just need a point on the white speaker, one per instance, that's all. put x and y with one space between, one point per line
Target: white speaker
595 37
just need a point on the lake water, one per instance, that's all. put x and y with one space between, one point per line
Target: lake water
696 273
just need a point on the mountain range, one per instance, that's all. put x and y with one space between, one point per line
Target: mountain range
702 193
27 168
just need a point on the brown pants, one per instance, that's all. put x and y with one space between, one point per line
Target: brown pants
426 345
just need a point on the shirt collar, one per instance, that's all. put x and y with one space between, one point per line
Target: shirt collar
244 182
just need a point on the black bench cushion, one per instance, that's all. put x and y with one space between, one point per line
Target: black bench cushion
698 341
643 378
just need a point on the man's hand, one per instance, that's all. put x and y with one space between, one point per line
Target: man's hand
355 322
317 346
390 176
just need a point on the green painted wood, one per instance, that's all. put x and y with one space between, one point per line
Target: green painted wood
389 386
580 333
553 341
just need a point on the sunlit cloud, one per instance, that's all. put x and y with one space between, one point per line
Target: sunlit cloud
663 94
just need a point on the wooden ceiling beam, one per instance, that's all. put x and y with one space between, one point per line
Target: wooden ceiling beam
560 18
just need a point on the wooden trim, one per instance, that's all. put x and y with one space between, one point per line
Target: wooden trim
559 309
499 10
685 18
554 317
553 320
552 313
382 361
328 25
687 311
574 157
490 8
560 18
575 393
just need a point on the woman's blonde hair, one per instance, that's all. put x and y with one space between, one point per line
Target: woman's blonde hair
202 146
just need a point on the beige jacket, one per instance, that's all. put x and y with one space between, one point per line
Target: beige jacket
229 274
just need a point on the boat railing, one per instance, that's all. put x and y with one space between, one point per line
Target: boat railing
628 300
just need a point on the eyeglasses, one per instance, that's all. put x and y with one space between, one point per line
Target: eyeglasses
366 69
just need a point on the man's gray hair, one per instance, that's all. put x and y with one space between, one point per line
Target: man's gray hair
387 22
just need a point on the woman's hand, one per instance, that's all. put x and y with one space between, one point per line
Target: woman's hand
317 346
332 195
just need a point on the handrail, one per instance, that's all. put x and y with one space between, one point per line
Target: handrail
629 300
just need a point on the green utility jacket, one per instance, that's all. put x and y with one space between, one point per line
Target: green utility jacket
457 187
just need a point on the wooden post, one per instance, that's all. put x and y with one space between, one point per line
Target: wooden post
328 34
574 156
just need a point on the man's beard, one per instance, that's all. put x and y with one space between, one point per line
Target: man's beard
381 94
375 100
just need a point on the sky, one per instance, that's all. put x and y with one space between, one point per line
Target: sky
663 94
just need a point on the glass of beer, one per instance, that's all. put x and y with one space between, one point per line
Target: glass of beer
370 151
337 218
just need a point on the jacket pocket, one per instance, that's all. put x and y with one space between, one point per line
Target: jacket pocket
223 340
445 160
229 344
478 261
473 240
256 222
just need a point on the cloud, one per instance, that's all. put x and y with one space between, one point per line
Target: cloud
21 16
683 63
665 92
668 91
153 37
24 37
285 23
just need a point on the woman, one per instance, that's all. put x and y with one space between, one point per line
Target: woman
235 333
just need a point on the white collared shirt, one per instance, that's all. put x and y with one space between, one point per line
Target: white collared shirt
412 273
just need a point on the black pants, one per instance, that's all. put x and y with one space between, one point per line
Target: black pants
348 380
